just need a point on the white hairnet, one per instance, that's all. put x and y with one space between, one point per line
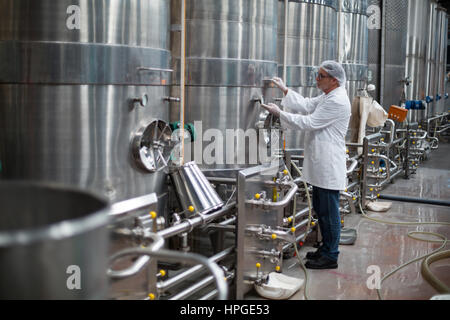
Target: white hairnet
335 70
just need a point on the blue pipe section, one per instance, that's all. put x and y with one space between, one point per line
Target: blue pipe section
415 105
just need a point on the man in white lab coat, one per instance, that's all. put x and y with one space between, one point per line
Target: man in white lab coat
325 120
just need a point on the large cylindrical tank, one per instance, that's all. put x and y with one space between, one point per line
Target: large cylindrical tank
416 54
69 74
441 60
431 90
374 45
353 43
311 39
230 51
395 31
53 243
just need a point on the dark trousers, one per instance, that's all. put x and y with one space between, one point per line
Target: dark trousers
326 206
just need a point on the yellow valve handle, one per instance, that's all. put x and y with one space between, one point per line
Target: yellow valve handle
153 214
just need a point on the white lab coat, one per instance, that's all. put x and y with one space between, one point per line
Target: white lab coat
325 120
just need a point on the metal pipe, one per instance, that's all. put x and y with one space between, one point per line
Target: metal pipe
280 204
128 208
287 246
189 224
352 166
164 285
443 130
176 256
286 22
415 200
383 49
302 224
182 77
193 289
158 243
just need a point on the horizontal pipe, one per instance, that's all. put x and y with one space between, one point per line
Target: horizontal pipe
187 225
164 285
193 289
277 205
287 246
415 200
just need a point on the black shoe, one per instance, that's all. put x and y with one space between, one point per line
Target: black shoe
322 263
313 255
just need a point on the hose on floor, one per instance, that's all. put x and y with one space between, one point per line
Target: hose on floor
428 258
305 293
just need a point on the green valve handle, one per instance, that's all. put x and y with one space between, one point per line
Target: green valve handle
188 126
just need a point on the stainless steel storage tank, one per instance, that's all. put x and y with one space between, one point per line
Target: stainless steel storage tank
441 59
230 51
393 65
431 57
416 54
311 39
53 243
387 49
374 24
71 77
353 43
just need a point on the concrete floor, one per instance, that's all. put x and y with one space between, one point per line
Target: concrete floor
387 246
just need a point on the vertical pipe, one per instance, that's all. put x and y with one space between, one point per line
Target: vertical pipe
286 21
338 51
182 77
383 49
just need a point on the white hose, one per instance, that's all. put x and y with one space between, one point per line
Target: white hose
307 228
425 271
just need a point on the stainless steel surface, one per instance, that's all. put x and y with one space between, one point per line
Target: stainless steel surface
353 43
196 221
176 256
395 51
66 93
385 246
256 227
311 39
49 236
124 209
431 88
157 243
194 190
416 54
374 45
231 49
387 49
441 60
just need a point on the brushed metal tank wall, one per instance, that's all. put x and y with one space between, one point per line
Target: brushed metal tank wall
353 43
230 50
441 60
312 39
395 51
374 45
416 54
68 77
